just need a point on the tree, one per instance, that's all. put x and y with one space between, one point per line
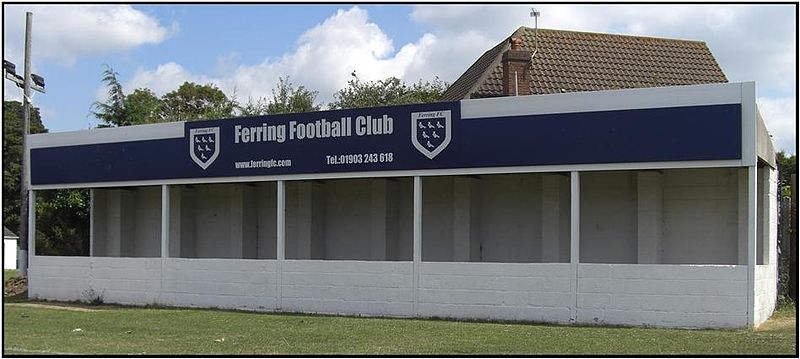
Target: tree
391 91
12 158
787 165
112 111
142 106
62 216
286 99
195 102
62 222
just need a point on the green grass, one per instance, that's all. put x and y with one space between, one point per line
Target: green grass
114 330
9 273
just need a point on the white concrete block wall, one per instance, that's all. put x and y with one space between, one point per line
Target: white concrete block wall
126 280
662 295
59 278
347 287
626 294
220 283
512 291
766 276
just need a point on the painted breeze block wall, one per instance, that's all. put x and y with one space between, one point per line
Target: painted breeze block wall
513 291
623 294
662 295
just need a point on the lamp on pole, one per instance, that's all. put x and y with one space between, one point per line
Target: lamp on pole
28 82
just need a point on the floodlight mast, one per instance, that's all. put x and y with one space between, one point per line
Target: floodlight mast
28 82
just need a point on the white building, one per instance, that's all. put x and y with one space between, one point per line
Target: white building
652 206
9 249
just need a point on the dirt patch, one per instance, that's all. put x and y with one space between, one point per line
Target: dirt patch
52 306
15 286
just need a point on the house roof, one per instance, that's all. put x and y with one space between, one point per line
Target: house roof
7 234
571 61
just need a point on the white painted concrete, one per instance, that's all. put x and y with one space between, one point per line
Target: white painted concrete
513 291
658 295
766 275
9 254
662 295
347 287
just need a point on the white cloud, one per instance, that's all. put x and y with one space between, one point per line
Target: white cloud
63 33
780 115
324 58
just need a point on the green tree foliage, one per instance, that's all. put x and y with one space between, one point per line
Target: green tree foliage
12 158
285 99
62 222
142 106
787 165
112 112
196 102
391 91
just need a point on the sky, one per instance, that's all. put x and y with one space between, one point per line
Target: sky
244 49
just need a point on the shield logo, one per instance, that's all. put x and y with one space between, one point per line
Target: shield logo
204 145
431 131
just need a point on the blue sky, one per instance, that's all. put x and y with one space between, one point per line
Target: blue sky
244 48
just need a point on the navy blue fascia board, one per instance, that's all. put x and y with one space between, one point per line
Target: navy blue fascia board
397 138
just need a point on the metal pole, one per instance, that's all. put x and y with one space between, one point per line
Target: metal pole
23 207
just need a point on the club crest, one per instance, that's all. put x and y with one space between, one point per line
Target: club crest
204 145
430 131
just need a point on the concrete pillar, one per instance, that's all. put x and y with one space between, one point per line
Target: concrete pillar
752 228
551 220
91 222
175 201
465 235
165 220
280 235
650 216
574 241
741 176
31 225
378 220
417 244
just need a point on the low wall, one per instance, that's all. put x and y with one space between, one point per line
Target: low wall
347 287
511 291
620 294
662 295
223 283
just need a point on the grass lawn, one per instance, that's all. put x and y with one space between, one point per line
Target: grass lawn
9 273
34 329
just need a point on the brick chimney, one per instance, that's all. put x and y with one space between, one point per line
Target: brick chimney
516 69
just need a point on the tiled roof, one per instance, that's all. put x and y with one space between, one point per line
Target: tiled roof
571 61
7 234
